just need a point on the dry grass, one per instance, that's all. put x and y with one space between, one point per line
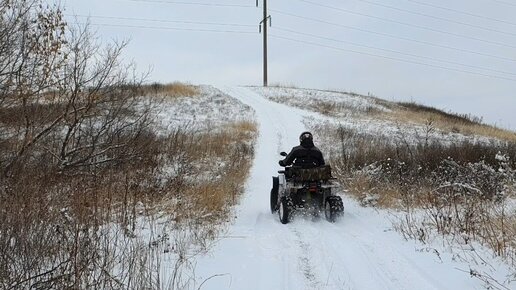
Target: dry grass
245 127
328 108
210 169
284 85
172 90
370 164
505 244
367 191
43 114
447 122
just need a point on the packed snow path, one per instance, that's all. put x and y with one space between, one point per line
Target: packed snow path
358 252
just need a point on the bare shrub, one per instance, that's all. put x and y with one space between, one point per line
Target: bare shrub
462 189
67 100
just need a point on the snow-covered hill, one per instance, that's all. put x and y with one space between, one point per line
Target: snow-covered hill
361 251
368 115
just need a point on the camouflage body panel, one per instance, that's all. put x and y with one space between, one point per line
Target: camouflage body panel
298 174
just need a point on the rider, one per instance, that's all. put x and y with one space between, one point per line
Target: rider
305 155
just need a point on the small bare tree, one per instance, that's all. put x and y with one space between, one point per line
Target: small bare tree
64 95
68 107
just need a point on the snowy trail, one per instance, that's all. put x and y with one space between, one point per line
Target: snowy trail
358 252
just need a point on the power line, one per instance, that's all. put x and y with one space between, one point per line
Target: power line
168 28
162 20
193 3
311 43
461 12
409 24
281 29
393 36
394 51
393 58
321 37
505 2
434 17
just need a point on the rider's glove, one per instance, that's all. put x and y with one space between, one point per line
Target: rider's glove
281 163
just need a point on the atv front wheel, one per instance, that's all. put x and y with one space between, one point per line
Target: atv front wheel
284 211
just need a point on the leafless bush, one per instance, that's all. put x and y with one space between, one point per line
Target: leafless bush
461 189
66 100
55 231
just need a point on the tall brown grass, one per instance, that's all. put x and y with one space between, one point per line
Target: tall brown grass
171 90
213 186
447 122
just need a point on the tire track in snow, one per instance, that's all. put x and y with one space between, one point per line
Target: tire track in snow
359 247
305 263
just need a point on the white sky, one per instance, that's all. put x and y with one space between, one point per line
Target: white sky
484 40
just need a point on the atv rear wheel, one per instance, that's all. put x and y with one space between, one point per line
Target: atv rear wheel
274 201
333 208
274 194
284 211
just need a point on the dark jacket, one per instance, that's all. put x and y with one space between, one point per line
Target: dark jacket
305 155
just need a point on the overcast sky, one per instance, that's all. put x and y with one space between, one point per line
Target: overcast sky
457 55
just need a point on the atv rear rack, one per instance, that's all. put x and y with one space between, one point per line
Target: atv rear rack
298 185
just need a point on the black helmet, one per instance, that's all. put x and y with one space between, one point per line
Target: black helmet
305 136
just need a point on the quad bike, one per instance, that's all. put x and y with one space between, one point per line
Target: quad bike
305 189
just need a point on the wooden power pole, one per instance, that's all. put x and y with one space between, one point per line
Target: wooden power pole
263 24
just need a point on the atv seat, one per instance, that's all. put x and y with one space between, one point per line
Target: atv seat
298 174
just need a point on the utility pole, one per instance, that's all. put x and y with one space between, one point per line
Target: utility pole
264 24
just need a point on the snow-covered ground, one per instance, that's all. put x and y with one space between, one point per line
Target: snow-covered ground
308 99
205 111
361 251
